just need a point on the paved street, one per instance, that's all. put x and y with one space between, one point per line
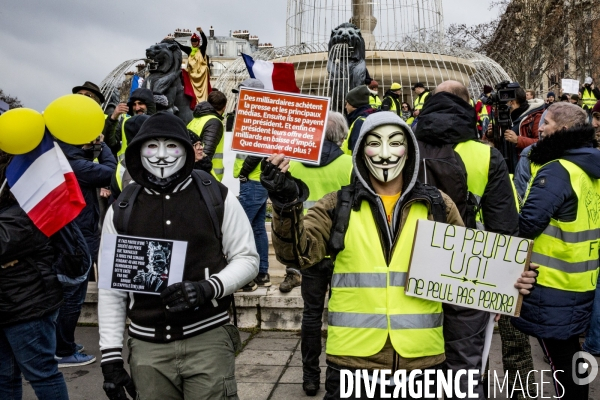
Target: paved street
269 367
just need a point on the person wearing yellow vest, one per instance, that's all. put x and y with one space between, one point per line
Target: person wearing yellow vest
374 99
391 99
561 213
140 102
589 94
368 229
357 109
447 122
208 125
333 172
422 94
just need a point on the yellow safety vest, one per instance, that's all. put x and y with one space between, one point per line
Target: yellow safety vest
374 101
196 125
239 163
393 107
567 252
323 180
121 152
344 147
483 114
476 157
420 100
368 303
588 99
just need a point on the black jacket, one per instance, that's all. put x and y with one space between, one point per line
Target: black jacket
29 289
388 98
353 118
90 176
549 312
447 119
213 130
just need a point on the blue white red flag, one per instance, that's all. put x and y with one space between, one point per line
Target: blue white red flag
275 76
45 186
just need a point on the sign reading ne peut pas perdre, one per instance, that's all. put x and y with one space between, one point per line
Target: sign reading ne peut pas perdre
467 267
268 122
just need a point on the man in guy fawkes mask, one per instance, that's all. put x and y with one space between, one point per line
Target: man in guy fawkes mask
166 202
364 226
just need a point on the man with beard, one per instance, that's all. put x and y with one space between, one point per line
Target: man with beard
141 102
561 213
449 119
368 230
181 343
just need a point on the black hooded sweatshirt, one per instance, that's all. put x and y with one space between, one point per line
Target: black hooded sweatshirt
448 119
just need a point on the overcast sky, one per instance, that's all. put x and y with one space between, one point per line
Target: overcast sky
49 46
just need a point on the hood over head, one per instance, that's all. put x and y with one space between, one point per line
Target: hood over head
411 165
446 119
145 96
160 125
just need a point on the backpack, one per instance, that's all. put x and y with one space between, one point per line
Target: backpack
209 190
72 258
442 167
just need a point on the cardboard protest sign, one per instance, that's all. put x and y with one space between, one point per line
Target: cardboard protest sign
142 265
269 122
467 267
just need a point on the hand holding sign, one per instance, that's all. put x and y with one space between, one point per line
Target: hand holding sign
470 268
527 280
277 180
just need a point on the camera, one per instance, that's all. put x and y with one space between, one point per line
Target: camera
505 91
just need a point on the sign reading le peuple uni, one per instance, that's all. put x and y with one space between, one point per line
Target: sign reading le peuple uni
467 267
269 122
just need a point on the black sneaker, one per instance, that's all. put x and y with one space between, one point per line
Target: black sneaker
311 388
249 287
263 280
290 281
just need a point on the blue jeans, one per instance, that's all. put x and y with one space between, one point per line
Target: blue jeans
68 316
28 348
253 198
592 338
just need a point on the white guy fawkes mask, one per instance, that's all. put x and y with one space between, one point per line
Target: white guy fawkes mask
385 152
163 157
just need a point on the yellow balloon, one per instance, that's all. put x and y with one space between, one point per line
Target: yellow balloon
74 119
21 130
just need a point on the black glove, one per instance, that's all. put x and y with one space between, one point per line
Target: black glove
279 185
186 295
116 380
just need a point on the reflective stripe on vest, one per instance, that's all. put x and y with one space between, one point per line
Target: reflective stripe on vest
196 125
345 148
567 252
119 175
121 152
420 100
588 99
368 303
323 180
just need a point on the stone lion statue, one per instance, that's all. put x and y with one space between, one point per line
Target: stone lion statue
352 70
165 77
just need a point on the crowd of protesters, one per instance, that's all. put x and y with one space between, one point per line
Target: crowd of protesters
536 177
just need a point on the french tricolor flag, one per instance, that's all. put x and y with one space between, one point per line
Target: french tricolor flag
45 186
275 76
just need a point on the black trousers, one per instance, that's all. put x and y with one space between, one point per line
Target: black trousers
561 353
314 289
